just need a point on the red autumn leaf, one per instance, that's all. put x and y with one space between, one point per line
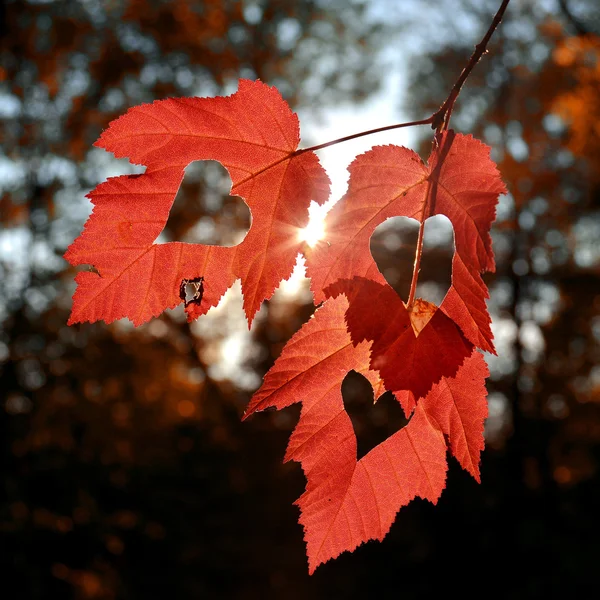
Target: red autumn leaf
460 181
254 134
459 407
348 502
407 358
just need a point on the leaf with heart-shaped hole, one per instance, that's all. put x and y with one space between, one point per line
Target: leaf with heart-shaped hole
393 244
204 211
349 501
460 181
254 135
411 350
373 419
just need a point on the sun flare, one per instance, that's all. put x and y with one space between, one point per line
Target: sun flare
315 230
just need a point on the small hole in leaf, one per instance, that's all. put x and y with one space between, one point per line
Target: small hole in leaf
393 247
192 290
372 423
204 212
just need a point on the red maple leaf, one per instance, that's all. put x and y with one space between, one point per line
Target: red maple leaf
460 181
408 356
348 502
254 134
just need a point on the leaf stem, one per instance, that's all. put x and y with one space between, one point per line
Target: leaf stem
416 267
440 122
363 133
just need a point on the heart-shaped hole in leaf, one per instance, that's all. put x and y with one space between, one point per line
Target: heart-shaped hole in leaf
204 212
373 422
393 247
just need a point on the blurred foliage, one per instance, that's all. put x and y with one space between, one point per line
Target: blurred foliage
126 472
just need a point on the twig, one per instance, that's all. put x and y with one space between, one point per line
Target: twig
441 118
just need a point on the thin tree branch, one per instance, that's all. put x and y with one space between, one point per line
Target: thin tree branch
442 117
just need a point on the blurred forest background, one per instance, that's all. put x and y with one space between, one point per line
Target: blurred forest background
125 470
